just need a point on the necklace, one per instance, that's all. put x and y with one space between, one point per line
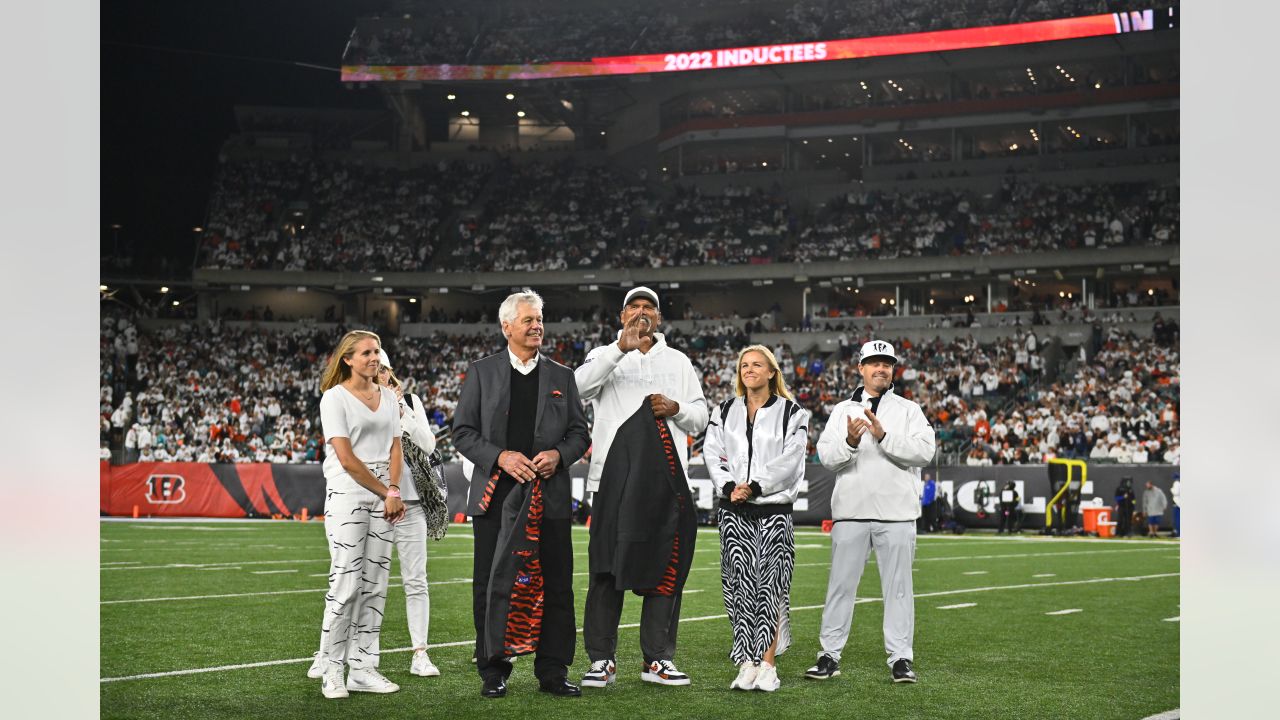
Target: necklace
368 397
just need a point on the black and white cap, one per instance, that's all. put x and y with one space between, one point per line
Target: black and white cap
875 348
644 292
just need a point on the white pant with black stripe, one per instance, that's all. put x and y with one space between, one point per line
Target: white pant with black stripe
757 560
360 564
895 547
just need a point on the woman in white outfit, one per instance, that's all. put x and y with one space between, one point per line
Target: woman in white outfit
411 533
755 450
362 469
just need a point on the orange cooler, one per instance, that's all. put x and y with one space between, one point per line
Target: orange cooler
1094 515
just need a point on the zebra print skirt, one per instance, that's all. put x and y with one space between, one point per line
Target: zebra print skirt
757 560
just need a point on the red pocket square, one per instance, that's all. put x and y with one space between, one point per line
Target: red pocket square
556 394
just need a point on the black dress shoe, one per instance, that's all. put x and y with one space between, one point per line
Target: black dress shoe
494 688
560 687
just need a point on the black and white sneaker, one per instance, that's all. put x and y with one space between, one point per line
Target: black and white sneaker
600 674
827 667
663 672
902 671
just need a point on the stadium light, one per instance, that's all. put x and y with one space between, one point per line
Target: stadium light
451 96
102 288
511 96
519 113
176 303
465 113
164 289
197 229
413 300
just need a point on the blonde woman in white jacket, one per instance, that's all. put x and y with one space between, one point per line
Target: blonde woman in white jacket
875 442
755 451
410 534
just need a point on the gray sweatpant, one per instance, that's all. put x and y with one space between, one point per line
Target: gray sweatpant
851 544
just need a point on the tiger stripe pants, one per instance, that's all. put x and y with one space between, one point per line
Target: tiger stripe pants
359 567
757 560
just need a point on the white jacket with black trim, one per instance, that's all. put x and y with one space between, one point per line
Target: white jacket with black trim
877 480
771 461
616 383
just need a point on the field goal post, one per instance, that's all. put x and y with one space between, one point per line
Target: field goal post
1070 466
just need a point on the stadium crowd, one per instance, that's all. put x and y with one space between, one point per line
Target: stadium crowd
307 215
1024 217
304 214
210 392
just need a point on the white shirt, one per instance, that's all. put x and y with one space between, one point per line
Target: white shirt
371 432
524 368
877 480
615 383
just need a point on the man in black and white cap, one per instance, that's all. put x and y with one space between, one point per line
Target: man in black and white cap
875 442
616 378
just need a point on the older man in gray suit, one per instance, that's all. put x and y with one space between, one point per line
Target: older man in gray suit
519 419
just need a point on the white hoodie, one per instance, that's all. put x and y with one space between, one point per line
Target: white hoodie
877 480
616 383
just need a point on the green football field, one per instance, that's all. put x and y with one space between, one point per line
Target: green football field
219 620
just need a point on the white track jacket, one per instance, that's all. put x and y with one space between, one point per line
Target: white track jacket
877 480
616 383
774 456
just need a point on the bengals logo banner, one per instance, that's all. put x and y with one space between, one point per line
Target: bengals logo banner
211 490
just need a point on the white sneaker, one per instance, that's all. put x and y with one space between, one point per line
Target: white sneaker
746 679
316 671
422 665
663 672
331 685
369 680
600 674
767 678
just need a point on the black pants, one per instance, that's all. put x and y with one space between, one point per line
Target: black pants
659 621
1008 519
1124 520
558 639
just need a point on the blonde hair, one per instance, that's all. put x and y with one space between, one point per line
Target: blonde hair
337 371
777 386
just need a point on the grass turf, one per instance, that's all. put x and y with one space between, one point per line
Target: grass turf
1001 658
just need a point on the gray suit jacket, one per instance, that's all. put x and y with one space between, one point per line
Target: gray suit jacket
480 427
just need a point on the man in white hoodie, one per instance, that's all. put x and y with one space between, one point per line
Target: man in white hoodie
875 442
617 378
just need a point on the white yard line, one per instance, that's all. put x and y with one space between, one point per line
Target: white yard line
1046 575
270 572
1175 618
1174 714
713 566
1068 611
189 566
975 572
464 643
957 607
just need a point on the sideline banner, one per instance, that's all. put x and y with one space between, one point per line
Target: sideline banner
248 490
